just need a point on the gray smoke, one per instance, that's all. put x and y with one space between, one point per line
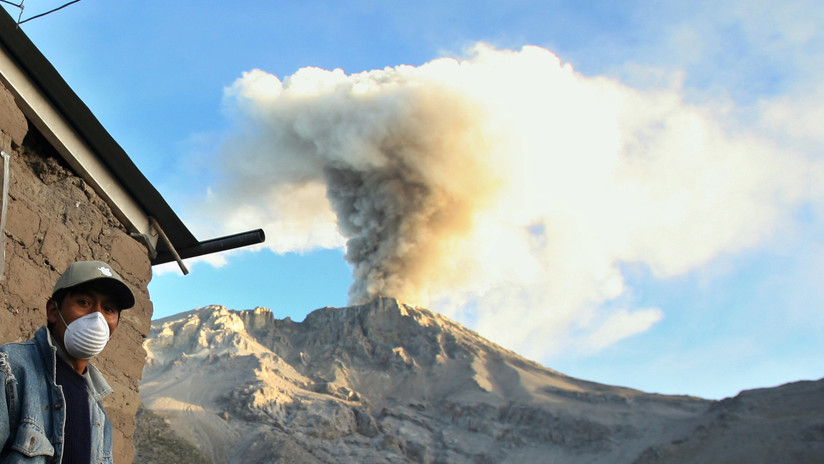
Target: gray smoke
402 218
404 168
503 189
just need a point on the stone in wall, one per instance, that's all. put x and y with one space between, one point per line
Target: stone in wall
53 219
13 125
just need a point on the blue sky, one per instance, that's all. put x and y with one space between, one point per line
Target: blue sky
660 265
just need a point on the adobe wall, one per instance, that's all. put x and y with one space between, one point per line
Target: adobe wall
55 218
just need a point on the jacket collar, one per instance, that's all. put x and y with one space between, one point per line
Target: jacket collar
98 387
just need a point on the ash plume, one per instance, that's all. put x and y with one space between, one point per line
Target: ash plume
405 216
503 189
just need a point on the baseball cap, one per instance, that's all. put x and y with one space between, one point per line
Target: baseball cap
81 272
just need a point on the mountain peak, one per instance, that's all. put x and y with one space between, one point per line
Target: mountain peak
387 382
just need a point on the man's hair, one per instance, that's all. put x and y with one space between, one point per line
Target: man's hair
58 298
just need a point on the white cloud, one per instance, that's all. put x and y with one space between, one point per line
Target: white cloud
622 324
503 189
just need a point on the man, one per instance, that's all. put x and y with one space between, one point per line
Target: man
50 410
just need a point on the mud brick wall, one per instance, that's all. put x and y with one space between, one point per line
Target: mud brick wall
55 218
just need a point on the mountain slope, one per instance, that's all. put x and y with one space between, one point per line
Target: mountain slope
385 383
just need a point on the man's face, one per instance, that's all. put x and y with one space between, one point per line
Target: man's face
81 301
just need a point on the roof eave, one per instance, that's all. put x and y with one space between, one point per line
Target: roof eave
57 112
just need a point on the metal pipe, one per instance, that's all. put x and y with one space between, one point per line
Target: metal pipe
216 245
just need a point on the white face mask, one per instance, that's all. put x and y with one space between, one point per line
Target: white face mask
86 336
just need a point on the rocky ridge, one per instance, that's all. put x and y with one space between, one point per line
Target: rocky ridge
390 383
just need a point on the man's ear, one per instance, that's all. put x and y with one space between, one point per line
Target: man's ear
51 311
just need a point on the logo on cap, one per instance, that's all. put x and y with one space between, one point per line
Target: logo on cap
105 270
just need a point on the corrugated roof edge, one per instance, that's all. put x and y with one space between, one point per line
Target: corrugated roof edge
82 120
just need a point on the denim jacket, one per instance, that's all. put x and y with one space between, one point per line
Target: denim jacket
32 408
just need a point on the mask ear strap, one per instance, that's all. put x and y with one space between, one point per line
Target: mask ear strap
61 317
